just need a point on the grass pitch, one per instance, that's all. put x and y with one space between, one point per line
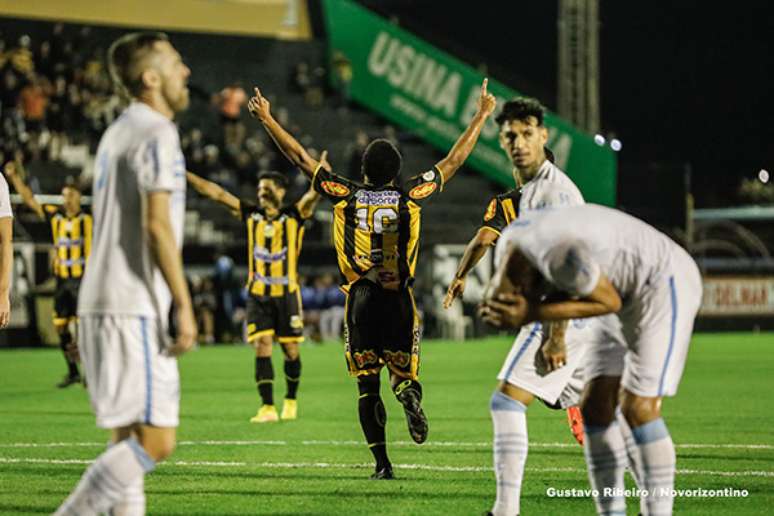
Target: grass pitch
721 422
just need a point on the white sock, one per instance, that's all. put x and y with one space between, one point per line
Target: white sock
509 419
606 459
657 453
633 453
133 501
107 479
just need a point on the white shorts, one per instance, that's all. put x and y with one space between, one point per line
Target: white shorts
657 326
130 379
524 366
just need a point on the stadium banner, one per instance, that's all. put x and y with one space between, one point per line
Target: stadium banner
744 296
434 95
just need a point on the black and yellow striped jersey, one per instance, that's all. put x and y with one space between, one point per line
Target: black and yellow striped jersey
273 246
376 229
72 241
502 210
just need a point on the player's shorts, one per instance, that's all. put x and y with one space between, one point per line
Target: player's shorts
130 379
657 326
381 328
525 367
275 316
66 300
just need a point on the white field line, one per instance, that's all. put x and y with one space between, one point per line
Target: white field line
431 444
331 465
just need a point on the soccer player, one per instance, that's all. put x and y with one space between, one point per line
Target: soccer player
376 236
603 261
71 229
557 376
6 253
274 236
135 310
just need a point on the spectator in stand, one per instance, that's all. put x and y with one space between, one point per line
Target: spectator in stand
230 101
205 304
33 100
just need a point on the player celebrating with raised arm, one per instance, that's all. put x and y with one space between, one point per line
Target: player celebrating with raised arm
557 377
6 253
376 236
274 235
134 294
71 232
601 261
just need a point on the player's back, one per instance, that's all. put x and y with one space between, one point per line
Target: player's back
376 229
629 251
138 154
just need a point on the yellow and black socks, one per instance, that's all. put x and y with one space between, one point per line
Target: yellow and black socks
373 418
264 378
292 377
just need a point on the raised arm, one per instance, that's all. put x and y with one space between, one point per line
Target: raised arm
465 143
169 260
477 247
12 170
260 108
213 191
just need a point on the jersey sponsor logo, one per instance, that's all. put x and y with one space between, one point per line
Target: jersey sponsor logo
382 198
422 191
296 323
335 189
429 175
490 210
397 358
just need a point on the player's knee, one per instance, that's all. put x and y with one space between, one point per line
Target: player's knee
599 401
290 350
160 447
638 410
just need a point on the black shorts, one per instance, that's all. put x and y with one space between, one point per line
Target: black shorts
381 329
279 316
66 300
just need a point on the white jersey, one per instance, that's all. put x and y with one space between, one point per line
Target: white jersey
138 154
5 199
550 188
570 247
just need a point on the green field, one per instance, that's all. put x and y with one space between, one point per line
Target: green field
721 422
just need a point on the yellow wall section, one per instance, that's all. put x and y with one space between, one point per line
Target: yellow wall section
284 19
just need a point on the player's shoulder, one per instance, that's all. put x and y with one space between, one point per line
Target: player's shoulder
422 186
149 124
513 194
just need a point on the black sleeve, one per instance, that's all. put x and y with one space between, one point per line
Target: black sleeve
246 208
494 216
425 186
332 186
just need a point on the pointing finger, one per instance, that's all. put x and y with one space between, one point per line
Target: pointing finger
483 87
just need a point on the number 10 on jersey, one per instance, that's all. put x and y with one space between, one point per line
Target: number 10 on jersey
382 220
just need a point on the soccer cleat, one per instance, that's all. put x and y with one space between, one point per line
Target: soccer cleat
415 416
68 381
266 414
575 420
383 474
289 410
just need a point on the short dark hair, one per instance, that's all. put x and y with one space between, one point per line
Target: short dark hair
381 162
124 56
71 183
280 179
521 108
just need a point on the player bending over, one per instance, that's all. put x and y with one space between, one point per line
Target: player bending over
602 261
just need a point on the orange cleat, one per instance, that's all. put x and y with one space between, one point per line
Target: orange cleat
575 420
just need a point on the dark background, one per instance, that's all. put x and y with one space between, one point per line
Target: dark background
684 85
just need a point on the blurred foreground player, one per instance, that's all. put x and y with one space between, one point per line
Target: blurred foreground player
376 235
274 236
134 294
71 229
6 253
603 261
